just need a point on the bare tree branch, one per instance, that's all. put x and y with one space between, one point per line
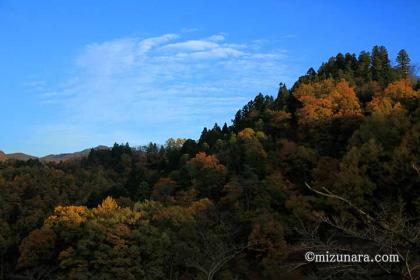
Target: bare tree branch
370 219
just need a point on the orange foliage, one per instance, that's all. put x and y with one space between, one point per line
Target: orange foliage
401 90
393 98
324 101
344 100
204 161
122 230
315 110
317 90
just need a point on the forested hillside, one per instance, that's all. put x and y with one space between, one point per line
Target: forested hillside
330 164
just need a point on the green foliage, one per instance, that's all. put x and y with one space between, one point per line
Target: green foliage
403 64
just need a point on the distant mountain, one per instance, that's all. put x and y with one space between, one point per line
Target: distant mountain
20 156
51 158
68 156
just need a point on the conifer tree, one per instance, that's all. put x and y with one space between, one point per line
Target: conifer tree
403 66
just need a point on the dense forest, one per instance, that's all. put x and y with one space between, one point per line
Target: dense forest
329 164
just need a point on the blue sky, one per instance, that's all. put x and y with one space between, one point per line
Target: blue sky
77 74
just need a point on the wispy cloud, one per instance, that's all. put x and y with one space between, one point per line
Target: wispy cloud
153 88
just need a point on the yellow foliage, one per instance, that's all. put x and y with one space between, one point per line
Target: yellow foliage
246 133
172 143
68 214
381 104
108 204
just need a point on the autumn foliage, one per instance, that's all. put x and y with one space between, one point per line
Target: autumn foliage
331 164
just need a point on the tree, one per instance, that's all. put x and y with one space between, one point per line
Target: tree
390 231
252 151
164 189
207 174
106 242
401 91
403 64
202 242
282 99
330 111
267 238
37 248
363 68
381 67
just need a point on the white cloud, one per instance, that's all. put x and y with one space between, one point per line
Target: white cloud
217 38
147 44
153 88
193 45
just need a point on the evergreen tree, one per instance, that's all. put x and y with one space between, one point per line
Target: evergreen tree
381 67
363 67
282 98
403 66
